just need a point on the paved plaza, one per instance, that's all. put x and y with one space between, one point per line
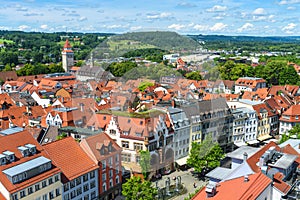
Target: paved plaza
187 179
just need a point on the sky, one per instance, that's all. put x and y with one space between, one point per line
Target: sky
222 17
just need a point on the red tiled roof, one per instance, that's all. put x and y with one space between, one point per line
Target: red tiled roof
293 112
11 143
280 184
237 189
69 157
67 45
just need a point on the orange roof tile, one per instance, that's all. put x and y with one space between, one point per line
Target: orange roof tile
69 157
238 189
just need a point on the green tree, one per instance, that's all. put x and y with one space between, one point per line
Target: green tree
194 76
119 69
137 189
295 131
206 155
144 85
145 162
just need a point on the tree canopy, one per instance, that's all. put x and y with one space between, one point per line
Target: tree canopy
137 189
119 69
194 76
206 155
145 162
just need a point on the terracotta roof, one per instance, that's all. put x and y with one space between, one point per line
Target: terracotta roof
8 75
280 184
238 189
11 143
249 82
67 45
70 158
252 161
92 143
293 112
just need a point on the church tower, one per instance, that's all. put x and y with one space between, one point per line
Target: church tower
67 56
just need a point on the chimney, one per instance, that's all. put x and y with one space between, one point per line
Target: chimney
245 156
81 107
246 178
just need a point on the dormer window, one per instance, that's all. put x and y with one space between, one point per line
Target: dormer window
10 156
2 159
24 151
32 148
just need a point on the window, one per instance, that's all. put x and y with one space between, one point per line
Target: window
138 146
103 177
79 191
30 190
117 180
72 184
111 183
73 194
111 173
86 197
93 184
57 191
78 180
44 184
125 144
45 197
51 195
50 181
103 164
66 197
137 159
22 194
110 161
104 187
126 157
15 196
92 174
56 178
93 195
37 187
85 177
66 187
112 132
85 187
117 159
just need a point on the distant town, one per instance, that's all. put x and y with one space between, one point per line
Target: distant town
108 116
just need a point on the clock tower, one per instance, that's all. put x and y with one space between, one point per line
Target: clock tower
67 56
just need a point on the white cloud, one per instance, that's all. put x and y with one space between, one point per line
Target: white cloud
135 28
23 9
245 27
259 11
82 19
186 5
259 18
176 26
23 27
271 18
218 27
284 2
159 16
44 26
217 8
199 27
289 27
291 8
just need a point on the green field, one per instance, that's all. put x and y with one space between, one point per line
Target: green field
61 43
7 41
116 45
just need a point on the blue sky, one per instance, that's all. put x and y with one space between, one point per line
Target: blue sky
227 17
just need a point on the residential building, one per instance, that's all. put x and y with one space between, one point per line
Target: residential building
289 118
263 126
239 188
67 56
150 130
182 127
26 170
211 117
79 172
106 153
239 122
249 84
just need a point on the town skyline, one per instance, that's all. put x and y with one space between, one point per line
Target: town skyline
255 18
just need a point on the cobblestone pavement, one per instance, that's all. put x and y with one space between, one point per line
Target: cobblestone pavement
187 179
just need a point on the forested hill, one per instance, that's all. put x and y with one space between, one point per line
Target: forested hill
284 39
249 43
161 39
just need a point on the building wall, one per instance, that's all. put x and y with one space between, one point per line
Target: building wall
266 194
42 192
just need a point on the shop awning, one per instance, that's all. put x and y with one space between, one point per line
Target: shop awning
264 137
182 161
253 142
